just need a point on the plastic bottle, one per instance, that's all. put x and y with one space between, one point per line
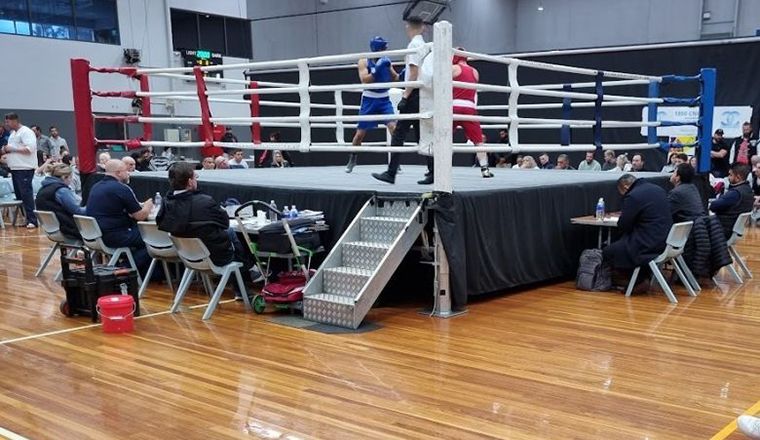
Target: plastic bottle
600 209
272 214
157 201
285 212
293 212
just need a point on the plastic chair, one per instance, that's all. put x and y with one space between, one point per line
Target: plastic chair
93 240
160 248
675 243
197 258
49 223
740 227
9 203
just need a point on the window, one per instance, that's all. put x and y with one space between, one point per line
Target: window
84 20
226 35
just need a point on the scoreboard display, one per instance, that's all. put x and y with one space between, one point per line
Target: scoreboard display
198 57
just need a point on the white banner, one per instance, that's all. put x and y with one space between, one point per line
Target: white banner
730 119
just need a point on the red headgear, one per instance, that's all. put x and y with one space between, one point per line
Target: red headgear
458 58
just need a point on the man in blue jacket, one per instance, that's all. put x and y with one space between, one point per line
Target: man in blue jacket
644 222
738 199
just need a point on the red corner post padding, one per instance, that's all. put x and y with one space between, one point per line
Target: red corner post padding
85 131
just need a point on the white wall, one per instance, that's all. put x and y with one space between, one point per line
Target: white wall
46 85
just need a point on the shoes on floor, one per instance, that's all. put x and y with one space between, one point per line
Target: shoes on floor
485 172
428 180
749 426
31 226
385 177
256 275
351 163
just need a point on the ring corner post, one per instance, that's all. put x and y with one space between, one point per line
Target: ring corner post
707 82
83 118
443 112
654 92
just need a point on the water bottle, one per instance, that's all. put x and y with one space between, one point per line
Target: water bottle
272 214
285 212
157 200
293 212
600 209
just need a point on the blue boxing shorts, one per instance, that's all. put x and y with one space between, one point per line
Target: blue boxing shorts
374 106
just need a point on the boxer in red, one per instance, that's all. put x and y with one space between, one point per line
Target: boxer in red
464 104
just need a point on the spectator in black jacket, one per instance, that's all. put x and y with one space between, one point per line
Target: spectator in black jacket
744 147
644 222
719 155
187 212
685 201
737 200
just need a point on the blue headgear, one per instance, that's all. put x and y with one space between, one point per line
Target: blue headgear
378 44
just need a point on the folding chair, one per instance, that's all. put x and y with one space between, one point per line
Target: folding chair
51 226
740 228
9 203
93 240
197 258
160 248
675 243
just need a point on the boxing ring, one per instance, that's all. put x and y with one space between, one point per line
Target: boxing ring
480 223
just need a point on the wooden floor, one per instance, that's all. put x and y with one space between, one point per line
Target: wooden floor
549 363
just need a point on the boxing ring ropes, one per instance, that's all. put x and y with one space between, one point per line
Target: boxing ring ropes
435 115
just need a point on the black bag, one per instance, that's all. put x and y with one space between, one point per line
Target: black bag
273 238
593 273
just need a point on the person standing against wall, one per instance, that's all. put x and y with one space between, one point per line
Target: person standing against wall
22 160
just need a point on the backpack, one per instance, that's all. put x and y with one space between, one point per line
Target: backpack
593 273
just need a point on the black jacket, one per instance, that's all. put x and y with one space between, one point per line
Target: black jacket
737 200
706 251
197 215
45 201
685 203
645 222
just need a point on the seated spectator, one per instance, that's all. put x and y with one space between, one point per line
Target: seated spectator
129 161
693 161
208 163
44 169
671 165
102 159
278 161
610 162
502 162
518 162
589 164
684 199
545 163
76 181
221 163
563 163
637 163
736 200
187 212
754 178
237 161
142 159
56 196
168 154
116 208
528 163
5 170
644 222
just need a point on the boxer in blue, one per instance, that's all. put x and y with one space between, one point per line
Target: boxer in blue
374 101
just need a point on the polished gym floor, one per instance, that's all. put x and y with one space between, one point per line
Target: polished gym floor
545 363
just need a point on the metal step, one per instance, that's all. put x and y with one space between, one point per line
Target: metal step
381 229
364 254
329 309
345 281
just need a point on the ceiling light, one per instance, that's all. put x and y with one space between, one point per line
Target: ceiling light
540 8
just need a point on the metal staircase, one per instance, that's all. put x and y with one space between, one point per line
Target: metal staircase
357 269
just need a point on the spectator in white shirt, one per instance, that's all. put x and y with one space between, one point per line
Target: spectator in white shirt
58 145
237 161
22 160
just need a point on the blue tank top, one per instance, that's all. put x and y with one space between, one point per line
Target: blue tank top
383 76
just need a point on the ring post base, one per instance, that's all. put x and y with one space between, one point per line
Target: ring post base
442 314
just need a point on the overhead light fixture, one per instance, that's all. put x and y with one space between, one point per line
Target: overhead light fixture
540 8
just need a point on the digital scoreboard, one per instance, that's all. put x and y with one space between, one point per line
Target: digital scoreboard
198 57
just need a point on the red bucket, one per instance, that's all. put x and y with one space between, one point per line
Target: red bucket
116 313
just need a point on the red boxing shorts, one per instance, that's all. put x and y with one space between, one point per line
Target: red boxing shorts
472 130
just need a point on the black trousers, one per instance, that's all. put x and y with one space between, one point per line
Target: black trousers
402 130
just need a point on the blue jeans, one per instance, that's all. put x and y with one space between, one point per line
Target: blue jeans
22 186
